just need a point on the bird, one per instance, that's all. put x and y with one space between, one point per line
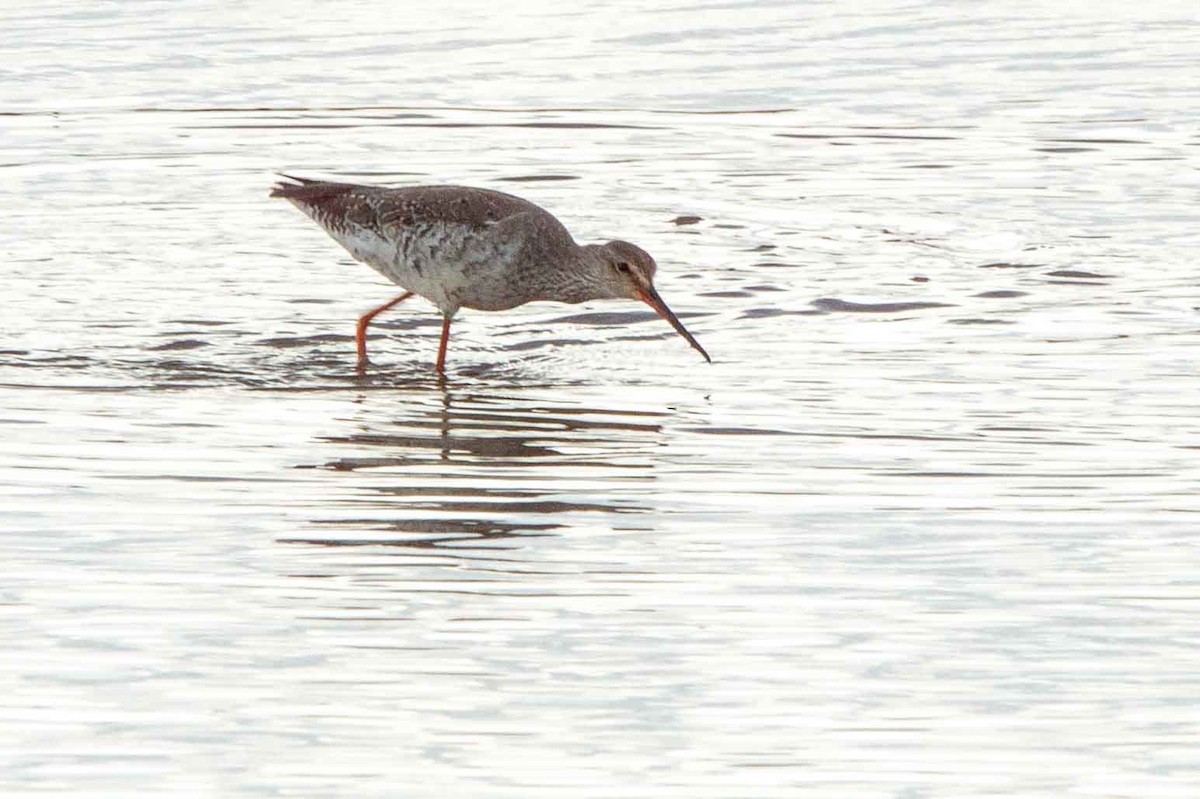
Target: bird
464 247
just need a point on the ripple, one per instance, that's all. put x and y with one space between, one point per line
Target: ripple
836 305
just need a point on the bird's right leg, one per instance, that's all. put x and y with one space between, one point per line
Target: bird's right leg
360 334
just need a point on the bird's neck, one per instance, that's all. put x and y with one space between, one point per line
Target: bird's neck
579 279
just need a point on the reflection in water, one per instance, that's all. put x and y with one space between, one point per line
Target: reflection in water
473 469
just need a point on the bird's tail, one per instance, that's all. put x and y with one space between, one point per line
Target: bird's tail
306 189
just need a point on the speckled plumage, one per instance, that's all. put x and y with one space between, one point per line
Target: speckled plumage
455 246
462 247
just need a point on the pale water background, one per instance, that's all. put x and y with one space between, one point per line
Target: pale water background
927 528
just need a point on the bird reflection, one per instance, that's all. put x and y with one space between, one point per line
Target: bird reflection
458 469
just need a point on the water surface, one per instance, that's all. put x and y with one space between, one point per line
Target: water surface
925 528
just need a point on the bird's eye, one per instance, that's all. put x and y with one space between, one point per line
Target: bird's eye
623 267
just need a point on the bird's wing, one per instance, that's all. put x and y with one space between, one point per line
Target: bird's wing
345 207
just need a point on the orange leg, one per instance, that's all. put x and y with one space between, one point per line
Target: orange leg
441 361
360 333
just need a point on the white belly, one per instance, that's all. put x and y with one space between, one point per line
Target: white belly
440 262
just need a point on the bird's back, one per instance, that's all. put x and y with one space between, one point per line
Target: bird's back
340 206
454 245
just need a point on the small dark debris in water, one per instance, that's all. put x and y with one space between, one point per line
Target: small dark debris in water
1006 265
833 304
1001 294
919 279
182 344
537 178
687 220
1078 273
763 248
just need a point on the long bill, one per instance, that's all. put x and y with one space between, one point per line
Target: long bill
649 296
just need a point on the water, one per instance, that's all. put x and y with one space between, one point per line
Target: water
926 527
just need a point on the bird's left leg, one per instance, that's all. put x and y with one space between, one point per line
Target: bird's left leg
360 333
441 361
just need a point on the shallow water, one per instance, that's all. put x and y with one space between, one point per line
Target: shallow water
926 527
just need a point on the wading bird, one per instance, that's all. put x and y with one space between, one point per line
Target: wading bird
461 247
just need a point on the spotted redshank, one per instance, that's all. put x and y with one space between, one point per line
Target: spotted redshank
461 247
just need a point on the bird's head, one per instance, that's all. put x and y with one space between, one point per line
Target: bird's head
627 271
